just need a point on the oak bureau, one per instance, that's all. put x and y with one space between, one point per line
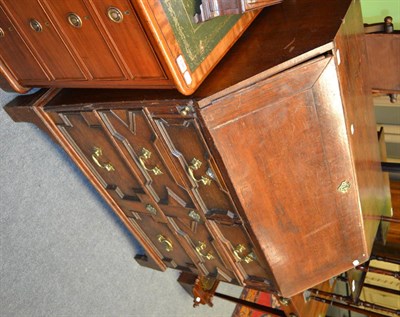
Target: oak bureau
268 176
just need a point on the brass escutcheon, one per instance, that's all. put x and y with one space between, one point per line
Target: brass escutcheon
146 154
167 244
239 249
201 246
97 152
115 14
74 20
35 25
344 187
195 165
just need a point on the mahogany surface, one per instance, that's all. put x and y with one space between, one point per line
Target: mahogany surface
289 187
141 50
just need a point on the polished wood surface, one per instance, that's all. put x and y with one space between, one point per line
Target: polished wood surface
80 43
384 62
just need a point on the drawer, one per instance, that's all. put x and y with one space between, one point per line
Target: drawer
134 135
164 241
248 260
13 50
41 35
86 135
190 226
82 34
120 22
188 149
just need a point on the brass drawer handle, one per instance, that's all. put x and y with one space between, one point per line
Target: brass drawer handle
2 34
146 154
97 152
35 25
167 244
238 254
115 14
74 20
194 167
201 246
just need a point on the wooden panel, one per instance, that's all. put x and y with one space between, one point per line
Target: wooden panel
86 41
47 44
186 144
159 235
383 61
130 40
13 50
284 146
355 89
134 136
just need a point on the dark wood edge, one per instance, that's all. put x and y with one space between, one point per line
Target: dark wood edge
10 80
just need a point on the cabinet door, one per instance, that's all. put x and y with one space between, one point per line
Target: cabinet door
122 25
76 23
15 53
40 33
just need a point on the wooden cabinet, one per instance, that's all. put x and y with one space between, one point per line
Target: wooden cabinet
117 44
268 176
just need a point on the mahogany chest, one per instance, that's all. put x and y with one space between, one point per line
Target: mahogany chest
120 44
268 176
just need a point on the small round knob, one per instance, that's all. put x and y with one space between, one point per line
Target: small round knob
35 25
2 34
74 20
115 14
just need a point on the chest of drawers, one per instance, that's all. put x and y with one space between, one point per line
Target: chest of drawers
121 43
269 176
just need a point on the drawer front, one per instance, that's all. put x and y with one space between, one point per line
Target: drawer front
188 149
15 53
191 228
164 241
76 23
248 260
133 135
40 33
122 25
85 133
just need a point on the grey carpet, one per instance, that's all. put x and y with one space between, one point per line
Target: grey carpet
63 252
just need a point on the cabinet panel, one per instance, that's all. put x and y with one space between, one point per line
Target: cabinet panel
134 135
13 50
42 36
125 31
78 26
187 146
85 133
191 227
248 260
160 236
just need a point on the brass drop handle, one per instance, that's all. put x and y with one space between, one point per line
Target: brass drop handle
195 165
2 34
201 246
97 153
167 244
115 14
146 154
74 20
239 249
35 25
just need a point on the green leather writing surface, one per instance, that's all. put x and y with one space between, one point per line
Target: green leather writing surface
196 41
